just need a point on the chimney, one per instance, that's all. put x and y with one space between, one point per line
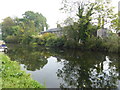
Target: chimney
44 28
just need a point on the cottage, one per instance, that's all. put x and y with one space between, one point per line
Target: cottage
118 32
0 34
57 31
102 33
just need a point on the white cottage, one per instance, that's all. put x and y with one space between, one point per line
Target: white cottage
102 33
0 34
57 31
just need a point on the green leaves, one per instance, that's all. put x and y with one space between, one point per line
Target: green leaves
13 77
23 28
39 20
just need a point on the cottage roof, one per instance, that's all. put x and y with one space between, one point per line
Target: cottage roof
52 30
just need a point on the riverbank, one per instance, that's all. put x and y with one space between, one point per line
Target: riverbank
107 44
13 77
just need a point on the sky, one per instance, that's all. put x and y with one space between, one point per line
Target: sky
49 9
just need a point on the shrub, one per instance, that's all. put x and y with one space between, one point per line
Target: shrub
13 77
49 39
94 43
112 43
12 39
44 38
55 41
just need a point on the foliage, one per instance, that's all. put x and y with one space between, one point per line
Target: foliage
104 12
49 39
7 25
12 39
94 43
112 43
39 20
115 23
13 77
29 55
55 42
44 38
82 28
23 28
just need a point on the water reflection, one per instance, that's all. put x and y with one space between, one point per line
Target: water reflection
78 69
29 56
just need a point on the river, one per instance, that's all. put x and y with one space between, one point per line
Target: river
65 68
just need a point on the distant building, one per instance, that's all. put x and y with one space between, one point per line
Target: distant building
102 33
57 31
0 34
118 32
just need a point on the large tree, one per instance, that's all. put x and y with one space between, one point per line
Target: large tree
39 20
80 28
6 28
90 16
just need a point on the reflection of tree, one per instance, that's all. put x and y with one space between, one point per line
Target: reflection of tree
107 77
29 56
87 70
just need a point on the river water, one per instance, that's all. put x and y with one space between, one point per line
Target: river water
65 68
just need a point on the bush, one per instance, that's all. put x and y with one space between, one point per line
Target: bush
42 39
13 77
12 39
94 43
112 43
55 41
49 39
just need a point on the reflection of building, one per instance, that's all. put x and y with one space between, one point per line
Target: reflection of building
57 31
0 34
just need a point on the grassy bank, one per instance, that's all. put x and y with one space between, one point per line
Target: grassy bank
13 77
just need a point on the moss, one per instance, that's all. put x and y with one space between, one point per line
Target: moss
13 77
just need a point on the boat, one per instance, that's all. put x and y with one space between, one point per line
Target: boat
3 47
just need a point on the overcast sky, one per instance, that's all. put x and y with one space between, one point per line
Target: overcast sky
49 8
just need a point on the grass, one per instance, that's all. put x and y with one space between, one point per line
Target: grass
13 77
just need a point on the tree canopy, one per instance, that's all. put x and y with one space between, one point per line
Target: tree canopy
39 20
22 29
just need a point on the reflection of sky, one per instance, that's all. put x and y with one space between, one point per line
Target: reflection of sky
47 75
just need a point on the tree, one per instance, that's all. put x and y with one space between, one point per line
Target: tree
82 28
84 21
104 13
6 28
115 23
27 29
39 20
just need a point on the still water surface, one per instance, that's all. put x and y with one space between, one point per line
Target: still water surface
57 68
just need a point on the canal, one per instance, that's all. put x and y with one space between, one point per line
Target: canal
65 68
